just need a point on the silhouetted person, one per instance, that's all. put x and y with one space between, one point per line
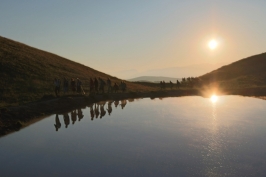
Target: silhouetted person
103 112
123 103
101 85
163 85
183 82
56 87
78 86
80 114
59 86
57 122
96 85
65 85
73 116
109 85
116 103
123 86
73 85
96 109
178 84
91 85
116 87
66 119
109 108
171 85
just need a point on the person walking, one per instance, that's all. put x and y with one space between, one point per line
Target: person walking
116 87
56 87
109 85
65 84
96 85
171 85
102 84
78 86
91 85
177 84
73 85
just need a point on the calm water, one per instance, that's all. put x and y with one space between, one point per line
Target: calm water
186 136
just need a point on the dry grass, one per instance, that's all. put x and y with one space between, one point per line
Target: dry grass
27 73
248 72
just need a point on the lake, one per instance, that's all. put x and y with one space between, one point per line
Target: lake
182 136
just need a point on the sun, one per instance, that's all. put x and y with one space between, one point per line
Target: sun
214 98
212 44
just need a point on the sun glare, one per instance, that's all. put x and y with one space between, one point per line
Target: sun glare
214 98
213 44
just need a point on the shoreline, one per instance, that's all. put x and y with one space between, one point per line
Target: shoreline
17 117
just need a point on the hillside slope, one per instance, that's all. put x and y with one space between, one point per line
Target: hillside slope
27 73
247 72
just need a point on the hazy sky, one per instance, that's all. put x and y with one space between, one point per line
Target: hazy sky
129 38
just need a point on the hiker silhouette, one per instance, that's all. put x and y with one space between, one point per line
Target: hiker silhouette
96 85
66 119
73 116
109 108
96 110
73 85
91 111
57 122
80 114
103 112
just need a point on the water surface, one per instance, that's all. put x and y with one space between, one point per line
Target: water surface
185 136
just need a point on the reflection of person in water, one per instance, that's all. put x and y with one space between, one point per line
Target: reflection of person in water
91 111
109 109
103 112
131 100
73 116
57 122
116 103
96 110
80 114
66 119
123 103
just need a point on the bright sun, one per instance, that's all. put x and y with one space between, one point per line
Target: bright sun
213 44
214 98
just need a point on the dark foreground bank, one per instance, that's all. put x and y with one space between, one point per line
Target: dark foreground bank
17 117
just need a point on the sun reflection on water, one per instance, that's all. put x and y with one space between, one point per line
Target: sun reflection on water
213 158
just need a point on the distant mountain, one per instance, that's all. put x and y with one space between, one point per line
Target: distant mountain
28 73
153 79
247 72
194 70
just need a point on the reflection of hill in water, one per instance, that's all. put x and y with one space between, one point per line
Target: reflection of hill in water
97 110
260 97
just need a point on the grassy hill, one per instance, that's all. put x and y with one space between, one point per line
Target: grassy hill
27 73
248 72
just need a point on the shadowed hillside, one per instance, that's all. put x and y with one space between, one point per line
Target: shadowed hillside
248 72
27 73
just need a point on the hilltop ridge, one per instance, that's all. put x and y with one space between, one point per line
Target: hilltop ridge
247 72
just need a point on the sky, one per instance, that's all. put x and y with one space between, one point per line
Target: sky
131 38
